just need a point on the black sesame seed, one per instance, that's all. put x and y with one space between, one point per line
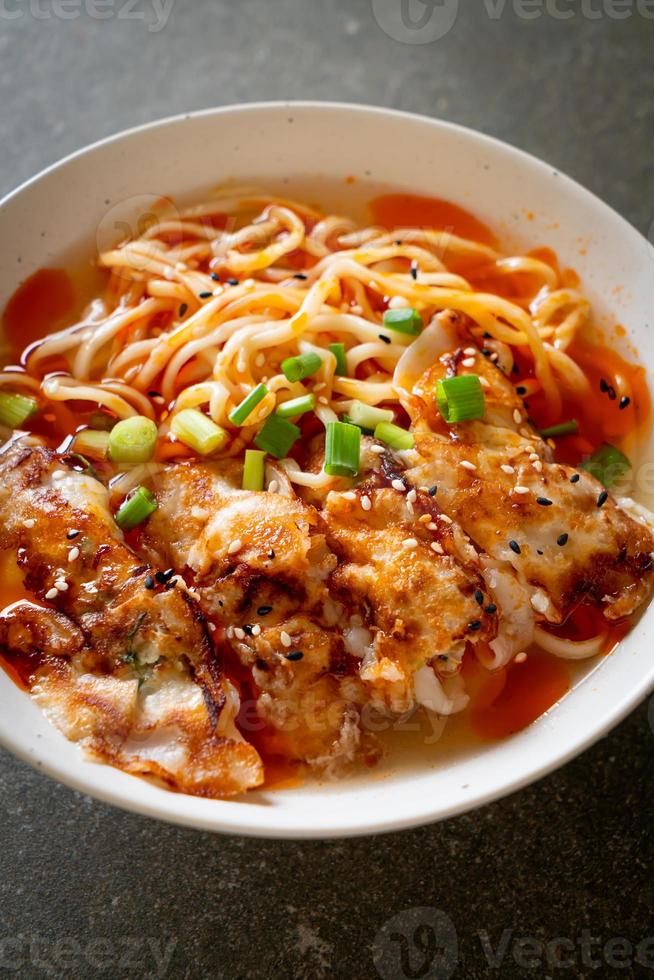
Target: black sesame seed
233 282
215 277
611 393
386 339
538 551
163 577
479 596
624 402
432 491
544 501
603 497
514 546
295 655
474 625
154 394
271 553
603 385
247 629
521 390
73 534
491 608
183 308
264 610
299 275
562 539
206 294
575 478
149 582
486 352
398 241
443 656
414 270
170 585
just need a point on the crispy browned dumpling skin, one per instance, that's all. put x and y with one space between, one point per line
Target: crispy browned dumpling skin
121 662
606 557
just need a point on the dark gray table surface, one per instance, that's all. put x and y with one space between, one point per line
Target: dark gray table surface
89 891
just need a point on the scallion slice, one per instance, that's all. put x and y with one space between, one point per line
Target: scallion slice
277 436
239 415
607 464
132 440
92 442
394 436
302 366
562 429
367 416
253 469
197 430
296 406
338 350
460 398
16 409
405 320
342 449
135 509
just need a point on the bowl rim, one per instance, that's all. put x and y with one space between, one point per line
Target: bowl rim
221 819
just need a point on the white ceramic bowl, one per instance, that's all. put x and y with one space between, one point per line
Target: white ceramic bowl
313 147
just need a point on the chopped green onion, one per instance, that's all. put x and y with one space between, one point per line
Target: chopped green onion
367 417
92 442
607 464
102 421
197 430
296 406
562 429
346 418
16 409
135 509
302 366
253 469
461 398
338 350
394 436
249 403
132 440
405 320
277 436
342 449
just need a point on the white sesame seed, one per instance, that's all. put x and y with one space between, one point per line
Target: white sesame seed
517 417
398 303
230 632
444 517
470 352
323 401
285 638
73 554
366 503
520 489
409 507
468 362
212 627
58 474
239 633
378 450
398 485
410 543
432 526
235 546
538 466
249 282
256 629
60 585
349 495
30 522
506 468
320 386
52 594
533 457
411 496
356 309
484 383
520 657
219 290
260 360
273 486
435 546
467 465
494 358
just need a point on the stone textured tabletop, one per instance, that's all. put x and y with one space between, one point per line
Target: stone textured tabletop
554 881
